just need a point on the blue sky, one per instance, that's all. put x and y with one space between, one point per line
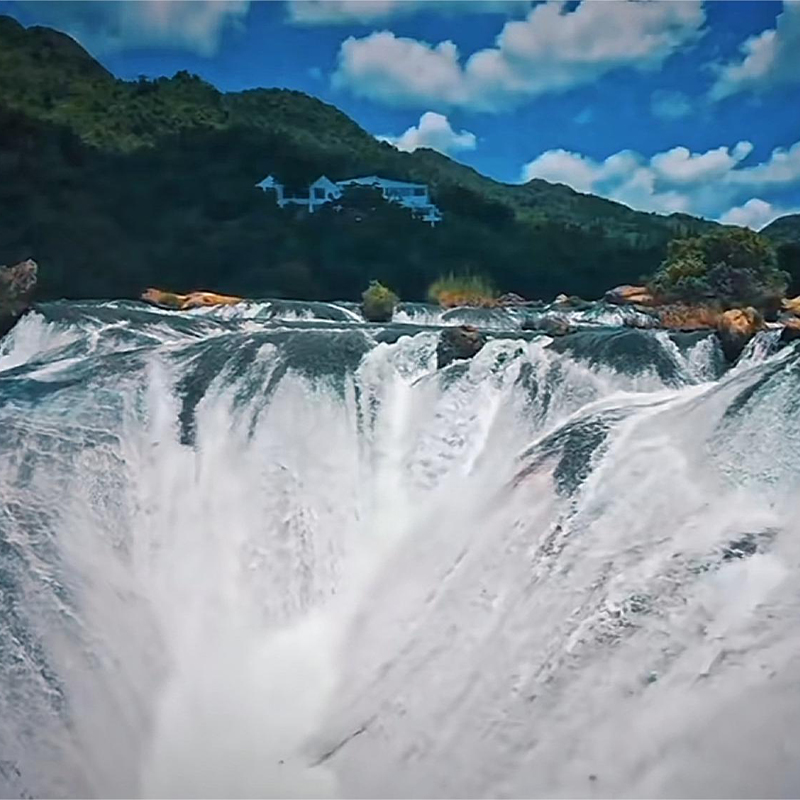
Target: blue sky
677 105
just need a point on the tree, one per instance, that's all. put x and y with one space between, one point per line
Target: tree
734 266
378 302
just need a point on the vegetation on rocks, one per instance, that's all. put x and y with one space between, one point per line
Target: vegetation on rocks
378 302
452 290
733 267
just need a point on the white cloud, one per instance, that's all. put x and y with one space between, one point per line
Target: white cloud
711 184
434 131
768 59
670 105
680 166
755 213
782 169
104 27
347 12
383 66
552 49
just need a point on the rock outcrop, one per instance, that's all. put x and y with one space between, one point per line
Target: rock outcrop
511 299
17 284
458 343
572 301
642 321
683 317
736 328
630 295
792 305
551 325
791 331
183 302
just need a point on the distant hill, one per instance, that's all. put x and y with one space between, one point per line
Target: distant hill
784 230
162 172
785 235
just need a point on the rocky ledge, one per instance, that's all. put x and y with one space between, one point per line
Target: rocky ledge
458 343
735 327
17 284
183 302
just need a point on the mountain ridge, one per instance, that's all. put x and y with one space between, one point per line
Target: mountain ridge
265 109
783 230
162 173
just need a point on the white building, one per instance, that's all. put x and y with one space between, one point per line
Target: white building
414 196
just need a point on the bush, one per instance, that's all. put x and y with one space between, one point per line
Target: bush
462 290
378 303
733 266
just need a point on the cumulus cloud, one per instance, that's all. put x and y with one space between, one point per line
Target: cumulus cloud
755 213
104 27
434 131
346 12
669 105
680 166
713 184
768 59
556 47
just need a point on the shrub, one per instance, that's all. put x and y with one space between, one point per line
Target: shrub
734 266
378 302
462 290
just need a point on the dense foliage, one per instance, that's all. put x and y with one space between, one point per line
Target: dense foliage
785 233
784 230
114 185
378 302
734 266
452 290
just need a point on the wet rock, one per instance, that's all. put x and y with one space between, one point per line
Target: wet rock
684 317
17 284
511 299
629 295
791 331
183 302
736 328
572 301
740 548
458 343
642 321
792 305
771 308
551 325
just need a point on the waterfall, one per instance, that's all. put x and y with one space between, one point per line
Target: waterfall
270 551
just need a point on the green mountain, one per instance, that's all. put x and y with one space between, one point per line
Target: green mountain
115 184
784 230
785 235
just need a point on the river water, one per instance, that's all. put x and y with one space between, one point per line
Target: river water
270 551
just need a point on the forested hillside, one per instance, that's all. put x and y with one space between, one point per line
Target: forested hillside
113 185
785 235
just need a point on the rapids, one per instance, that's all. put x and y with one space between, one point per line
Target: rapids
268 550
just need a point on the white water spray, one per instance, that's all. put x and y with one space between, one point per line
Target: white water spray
232 568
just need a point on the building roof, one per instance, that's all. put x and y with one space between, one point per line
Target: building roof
322 180
371 179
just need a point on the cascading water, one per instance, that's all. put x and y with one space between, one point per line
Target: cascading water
270 550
